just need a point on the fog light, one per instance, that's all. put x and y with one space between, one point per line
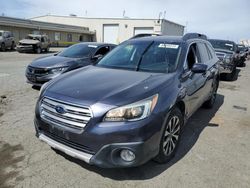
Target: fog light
127 155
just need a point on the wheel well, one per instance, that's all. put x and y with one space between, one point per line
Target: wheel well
181 106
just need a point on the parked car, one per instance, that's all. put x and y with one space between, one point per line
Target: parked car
226 52
131 106
242 52
6 40
34 43
79 55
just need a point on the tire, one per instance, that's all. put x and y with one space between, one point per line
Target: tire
47 49
12 46
38 50
210 102
3 47
230 77
170 137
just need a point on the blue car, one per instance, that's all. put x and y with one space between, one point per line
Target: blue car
131 106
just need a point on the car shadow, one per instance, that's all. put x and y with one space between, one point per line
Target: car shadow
236 76
191 132
36 87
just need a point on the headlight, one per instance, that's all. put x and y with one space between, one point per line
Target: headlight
58 70
133 112
228 58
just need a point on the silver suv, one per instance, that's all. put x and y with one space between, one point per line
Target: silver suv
6 40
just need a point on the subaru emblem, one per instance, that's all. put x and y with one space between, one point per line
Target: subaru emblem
60 110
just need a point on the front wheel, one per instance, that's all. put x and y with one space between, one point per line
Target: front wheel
12 46
170 137
38 50
3 47
47 49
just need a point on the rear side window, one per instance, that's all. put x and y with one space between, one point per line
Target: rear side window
211 50
203 52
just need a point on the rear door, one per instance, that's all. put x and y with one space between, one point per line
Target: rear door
206 78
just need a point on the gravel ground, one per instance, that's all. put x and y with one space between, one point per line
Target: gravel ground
214 151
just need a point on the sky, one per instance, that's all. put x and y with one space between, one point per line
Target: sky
222 19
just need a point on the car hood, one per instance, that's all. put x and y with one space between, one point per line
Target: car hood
219 50
93 84
53 61
29 41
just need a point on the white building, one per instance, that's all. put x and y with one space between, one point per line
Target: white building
116 30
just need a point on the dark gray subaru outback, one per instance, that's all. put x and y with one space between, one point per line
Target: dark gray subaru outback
131 106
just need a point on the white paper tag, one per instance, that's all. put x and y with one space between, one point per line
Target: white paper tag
92 46
171 46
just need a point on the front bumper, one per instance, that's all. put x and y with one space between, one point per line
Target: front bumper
101 144
39 80
226 68
25 48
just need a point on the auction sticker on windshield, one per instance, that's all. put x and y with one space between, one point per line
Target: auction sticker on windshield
172 46
92 46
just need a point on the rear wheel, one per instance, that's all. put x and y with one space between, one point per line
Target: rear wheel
170 137
3 48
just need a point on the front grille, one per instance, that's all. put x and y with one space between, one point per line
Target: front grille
221 56
37 71
68 115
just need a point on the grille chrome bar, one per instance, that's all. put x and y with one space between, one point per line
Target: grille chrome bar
73 116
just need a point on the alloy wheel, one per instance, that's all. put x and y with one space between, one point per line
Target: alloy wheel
171 135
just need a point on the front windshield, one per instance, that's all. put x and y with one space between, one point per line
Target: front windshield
226 45
78 51
143 56
32 38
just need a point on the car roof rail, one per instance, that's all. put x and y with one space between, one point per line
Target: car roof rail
144 35
194 36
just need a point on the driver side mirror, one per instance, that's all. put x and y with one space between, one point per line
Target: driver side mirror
55 54
199 68
97 57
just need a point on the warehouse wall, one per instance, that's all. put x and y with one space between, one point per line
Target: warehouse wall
20 33
126 26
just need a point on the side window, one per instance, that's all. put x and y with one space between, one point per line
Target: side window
102 51
211 50
203 52
192 56
42 39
